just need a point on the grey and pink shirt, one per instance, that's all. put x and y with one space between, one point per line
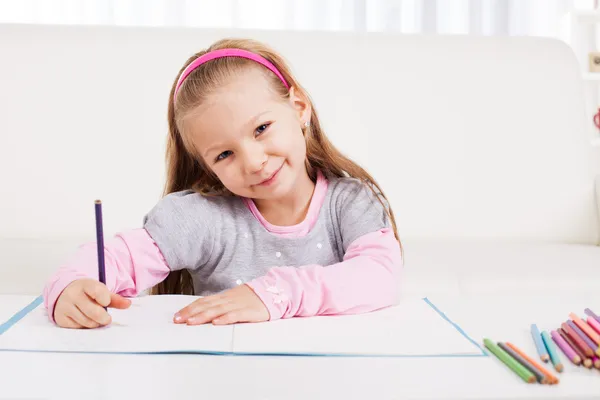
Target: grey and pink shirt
342 259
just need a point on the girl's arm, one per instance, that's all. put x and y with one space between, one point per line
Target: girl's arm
133 264
366 280
367 277
134 260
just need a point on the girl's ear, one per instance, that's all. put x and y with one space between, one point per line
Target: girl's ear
301 104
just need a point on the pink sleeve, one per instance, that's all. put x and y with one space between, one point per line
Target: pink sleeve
133 264
366 280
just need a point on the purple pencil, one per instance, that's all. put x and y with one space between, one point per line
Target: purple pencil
583 336
100 242
591 314
564 346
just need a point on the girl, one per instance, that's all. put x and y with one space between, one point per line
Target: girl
262 216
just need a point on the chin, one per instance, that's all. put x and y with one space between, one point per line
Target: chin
272 194
282 190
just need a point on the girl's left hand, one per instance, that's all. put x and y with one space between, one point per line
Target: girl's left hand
239 304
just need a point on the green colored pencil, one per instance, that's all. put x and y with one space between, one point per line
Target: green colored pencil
513 364
552 351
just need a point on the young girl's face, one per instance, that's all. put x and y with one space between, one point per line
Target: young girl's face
251 138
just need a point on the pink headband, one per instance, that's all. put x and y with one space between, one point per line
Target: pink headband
226 53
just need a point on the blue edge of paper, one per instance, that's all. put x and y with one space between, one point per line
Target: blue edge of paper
35 303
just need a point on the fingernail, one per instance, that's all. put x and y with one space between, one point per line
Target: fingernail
178 317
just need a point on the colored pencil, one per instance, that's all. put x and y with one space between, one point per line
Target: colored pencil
595 325
539 345
551 378
587 350
581 324
100 242
591 314
593 346
596 362
541 378
587 362
566 349
509 361
552 350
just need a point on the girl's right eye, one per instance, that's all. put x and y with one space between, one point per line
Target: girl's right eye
223 155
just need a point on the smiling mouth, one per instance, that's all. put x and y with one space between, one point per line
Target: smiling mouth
270 179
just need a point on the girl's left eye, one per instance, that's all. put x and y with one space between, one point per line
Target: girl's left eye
261 129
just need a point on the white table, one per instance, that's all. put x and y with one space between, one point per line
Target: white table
102 376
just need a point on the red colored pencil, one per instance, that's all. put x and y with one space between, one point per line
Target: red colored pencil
584 360
589 353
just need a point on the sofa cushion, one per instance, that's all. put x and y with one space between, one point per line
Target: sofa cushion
498 267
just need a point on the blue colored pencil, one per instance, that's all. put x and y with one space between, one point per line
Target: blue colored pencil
100 242
552 351
537 339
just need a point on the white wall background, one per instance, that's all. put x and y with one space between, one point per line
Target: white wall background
479 17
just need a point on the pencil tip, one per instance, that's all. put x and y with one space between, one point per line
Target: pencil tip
98 202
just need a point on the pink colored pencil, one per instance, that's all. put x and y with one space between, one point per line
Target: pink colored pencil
585 328
596 362
564 346
591 314
594 324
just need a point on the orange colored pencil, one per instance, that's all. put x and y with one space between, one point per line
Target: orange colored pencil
551 378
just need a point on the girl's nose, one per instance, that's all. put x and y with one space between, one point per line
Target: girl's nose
254 158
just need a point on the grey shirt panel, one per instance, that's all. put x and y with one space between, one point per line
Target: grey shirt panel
222 244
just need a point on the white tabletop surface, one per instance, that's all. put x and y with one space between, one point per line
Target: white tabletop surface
29 375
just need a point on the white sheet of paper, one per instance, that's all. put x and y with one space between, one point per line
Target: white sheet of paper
411 328
17 302
146 326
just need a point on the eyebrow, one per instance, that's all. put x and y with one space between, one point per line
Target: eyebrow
251 121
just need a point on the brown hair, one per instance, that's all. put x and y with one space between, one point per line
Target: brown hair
185 168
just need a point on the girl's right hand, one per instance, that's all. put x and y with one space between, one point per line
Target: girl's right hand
82 302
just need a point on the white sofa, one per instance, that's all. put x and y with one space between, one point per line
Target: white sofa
481 144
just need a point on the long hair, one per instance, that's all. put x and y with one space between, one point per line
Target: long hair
185 168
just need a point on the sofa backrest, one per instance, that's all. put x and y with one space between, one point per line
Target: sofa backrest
470 137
